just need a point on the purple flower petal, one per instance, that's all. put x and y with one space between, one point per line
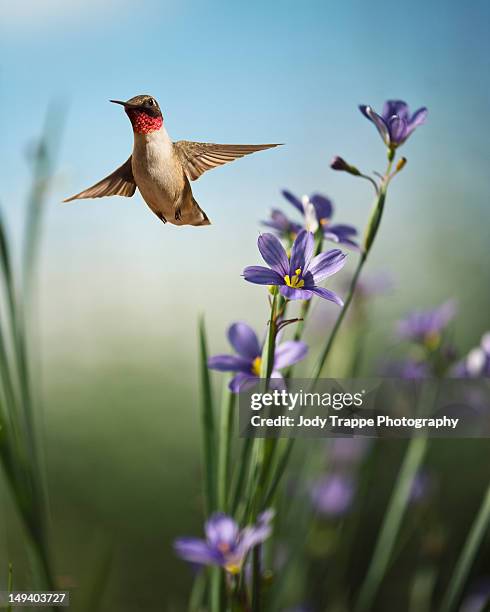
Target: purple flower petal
398 129
242 382
295 294
244 340
323 206
288 353
345 230
273 253
378 121
262 276
326 264
418 118
229 363
395 107
327 295
301 251
253 535
292 199
333 494
196 551
221 531
277 381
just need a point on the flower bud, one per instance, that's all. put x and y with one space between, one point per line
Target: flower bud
338 163
402 162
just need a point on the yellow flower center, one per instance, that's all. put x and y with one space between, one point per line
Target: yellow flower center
295 281
256 365
232 568
324 221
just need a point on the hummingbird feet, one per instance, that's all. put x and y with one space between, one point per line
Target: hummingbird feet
160 216
178 213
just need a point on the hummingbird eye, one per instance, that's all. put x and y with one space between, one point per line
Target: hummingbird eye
151 101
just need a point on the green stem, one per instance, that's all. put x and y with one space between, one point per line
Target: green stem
387 536
208 425
226 424
240 481
10 584
333 335
256 580
371 232
467 556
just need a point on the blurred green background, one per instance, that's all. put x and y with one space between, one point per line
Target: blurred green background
119 293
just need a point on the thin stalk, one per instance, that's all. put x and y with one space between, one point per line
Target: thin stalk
371 232
467 556
243 468
413 459
216 588
256 579
10 584
333 335
208 425
225 433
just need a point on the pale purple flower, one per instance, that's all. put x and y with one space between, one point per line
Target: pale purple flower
395 124
284 227
248 360
408 369
347 451
226 544
426 326
477 363
333 494
317 211
296 276
478 598
422 486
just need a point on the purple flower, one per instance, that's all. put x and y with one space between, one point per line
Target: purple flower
477 363
333 494
248 361
426 326
478 597
317 211
422 486
395 124
408 369
284 227
226 544
297 276
348 451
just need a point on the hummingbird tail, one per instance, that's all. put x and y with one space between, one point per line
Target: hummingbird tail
201 217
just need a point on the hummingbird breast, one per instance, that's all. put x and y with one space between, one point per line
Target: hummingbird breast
158 173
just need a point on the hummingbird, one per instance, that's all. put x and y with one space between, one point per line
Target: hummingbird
161 169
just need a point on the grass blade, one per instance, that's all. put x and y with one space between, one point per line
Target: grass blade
467 556
208 425
225 433
392 521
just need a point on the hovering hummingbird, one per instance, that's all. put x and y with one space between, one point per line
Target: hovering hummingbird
162 169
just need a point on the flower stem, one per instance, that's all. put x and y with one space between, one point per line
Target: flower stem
340 318
208 425
389 530
256 579
371 232
467 556
225 432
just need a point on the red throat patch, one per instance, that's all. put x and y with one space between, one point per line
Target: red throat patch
144 123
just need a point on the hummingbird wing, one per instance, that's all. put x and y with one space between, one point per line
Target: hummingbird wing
120 182
197 157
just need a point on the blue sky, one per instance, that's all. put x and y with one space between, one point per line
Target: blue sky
246 72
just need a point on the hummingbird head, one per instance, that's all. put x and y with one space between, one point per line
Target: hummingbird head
144 113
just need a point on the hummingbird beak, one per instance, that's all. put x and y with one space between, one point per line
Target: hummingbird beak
125 104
